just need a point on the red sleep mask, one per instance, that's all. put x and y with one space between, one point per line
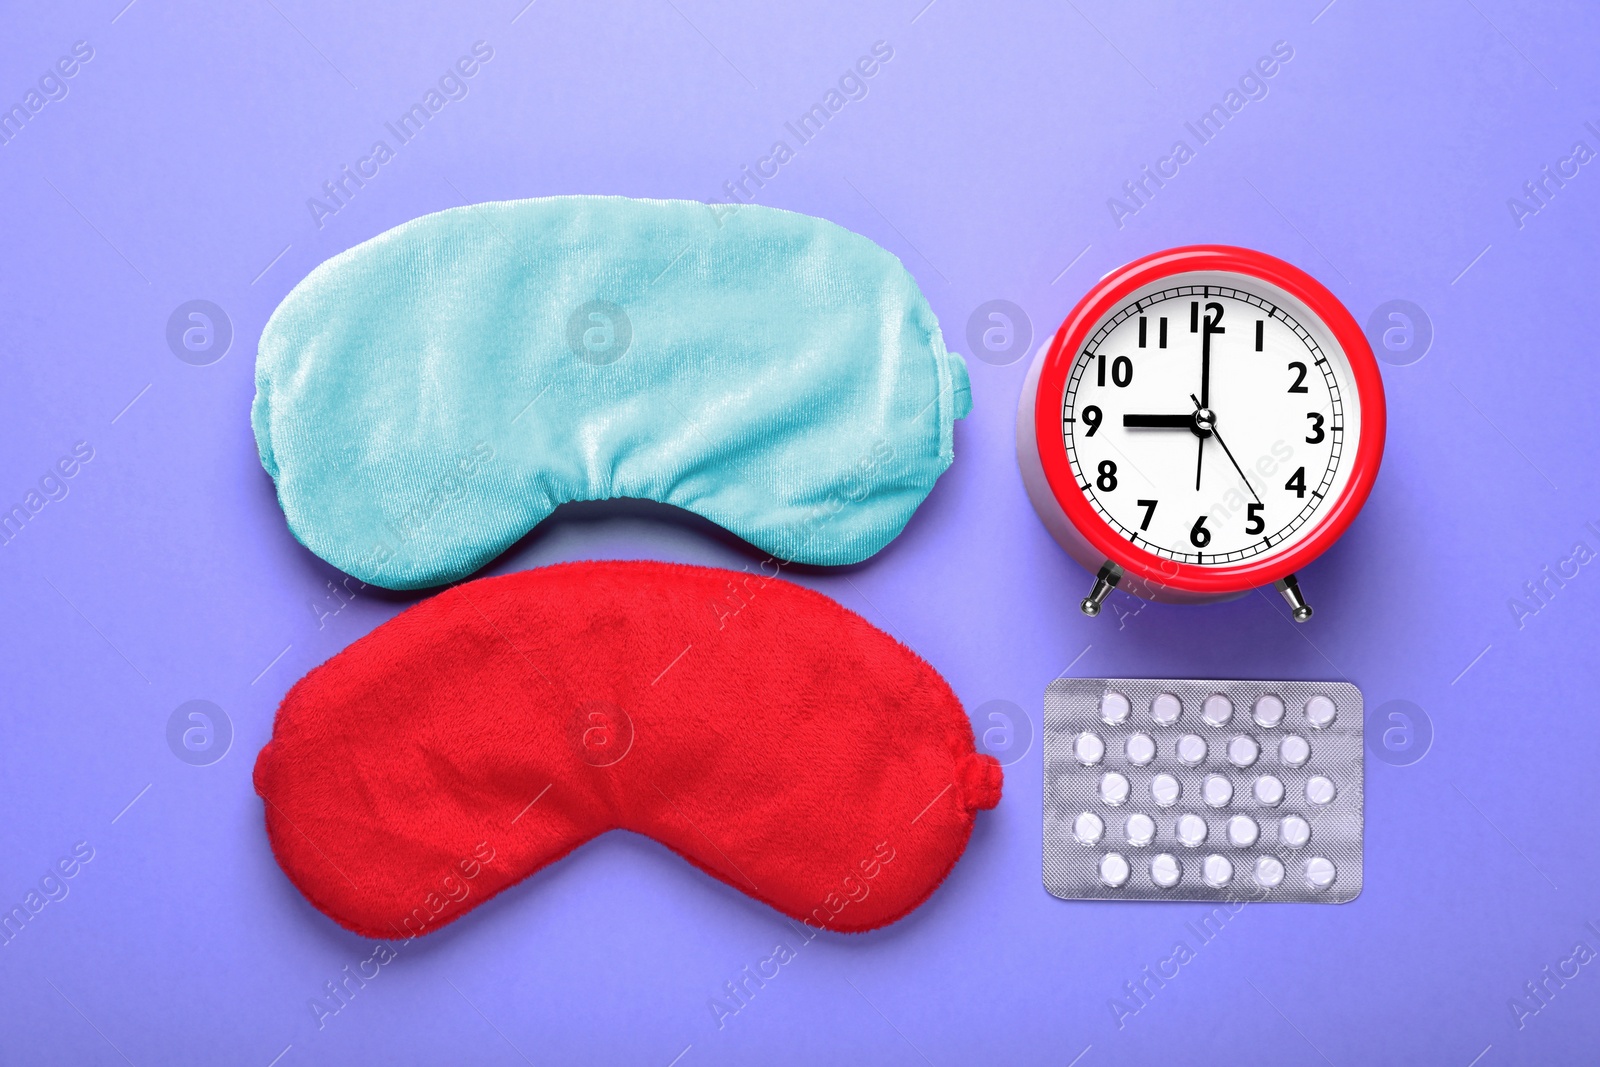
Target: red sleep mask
772 738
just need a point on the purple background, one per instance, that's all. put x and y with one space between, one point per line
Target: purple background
178 167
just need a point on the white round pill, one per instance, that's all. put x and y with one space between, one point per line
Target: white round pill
1320 873
1320 711
1218 871
1113 788
1269 872
1165 870
1294 831
1089 828
1191 829
1114 708
1089 748
1141 749
1242 831
1320 790
1268 711
1294 750
1217 790
1141 830
1269 791
1165 789
1113 869
1243 751
1191 749
1217 711
1165 709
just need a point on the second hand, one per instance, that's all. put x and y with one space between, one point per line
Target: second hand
1225 451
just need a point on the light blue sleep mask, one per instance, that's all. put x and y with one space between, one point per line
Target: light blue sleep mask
427 397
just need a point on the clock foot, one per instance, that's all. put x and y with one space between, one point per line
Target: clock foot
1104 582
1290 588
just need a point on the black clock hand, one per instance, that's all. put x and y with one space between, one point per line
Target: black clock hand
1159 422
1202 404
1208 327
1227 452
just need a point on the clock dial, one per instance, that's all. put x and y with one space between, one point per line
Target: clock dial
1211 418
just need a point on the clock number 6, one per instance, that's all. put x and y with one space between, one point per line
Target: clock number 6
1316 428
1199 536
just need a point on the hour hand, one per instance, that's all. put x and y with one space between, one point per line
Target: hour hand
1160 422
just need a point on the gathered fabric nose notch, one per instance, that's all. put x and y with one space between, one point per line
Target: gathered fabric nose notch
787 747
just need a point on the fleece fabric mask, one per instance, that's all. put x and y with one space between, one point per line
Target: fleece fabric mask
775 740
427 397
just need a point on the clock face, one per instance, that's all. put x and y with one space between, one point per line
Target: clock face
1211 419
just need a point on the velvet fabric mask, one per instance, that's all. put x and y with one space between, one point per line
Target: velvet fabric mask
427 397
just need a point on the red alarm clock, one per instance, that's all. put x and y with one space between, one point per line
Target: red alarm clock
1207 420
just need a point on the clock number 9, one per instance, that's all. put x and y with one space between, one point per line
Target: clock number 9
1121 371
1091 419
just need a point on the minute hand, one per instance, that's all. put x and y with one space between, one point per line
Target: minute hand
1207 328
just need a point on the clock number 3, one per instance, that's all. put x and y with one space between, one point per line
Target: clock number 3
1316 428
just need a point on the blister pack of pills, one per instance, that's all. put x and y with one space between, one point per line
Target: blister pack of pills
1202 790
